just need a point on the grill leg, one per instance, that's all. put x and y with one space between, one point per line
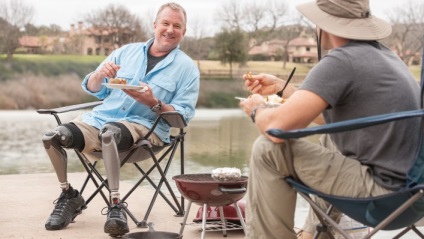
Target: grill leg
224 225
240 216
205 208
185 218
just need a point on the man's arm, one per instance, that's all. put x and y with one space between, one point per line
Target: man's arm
95 80
301 109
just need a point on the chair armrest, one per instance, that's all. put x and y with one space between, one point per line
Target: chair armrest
345 125
174 119
69 108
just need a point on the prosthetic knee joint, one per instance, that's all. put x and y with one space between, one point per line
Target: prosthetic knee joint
68 136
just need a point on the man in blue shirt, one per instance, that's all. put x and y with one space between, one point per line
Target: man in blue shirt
170 81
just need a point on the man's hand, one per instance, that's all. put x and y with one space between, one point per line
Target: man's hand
253 101
144 97
263 84
109 69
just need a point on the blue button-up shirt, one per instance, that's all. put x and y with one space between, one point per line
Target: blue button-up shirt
174 81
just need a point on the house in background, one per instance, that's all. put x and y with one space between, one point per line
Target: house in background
91 41
303 50
300 50
269 50
40 45
79 40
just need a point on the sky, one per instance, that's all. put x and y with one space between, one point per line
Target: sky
67 12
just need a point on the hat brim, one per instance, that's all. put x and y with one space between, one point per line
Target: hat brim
371 28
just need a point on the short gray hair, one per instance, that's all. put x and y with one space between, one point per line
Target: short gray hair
173 6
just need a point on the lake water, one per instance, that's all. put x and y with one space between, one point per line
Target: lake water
215 138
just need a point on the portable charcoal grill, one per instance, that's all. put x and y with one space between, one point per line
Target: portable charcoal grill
205 191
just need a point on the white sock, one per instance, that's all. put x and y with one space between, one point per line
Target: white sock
64 186
115 197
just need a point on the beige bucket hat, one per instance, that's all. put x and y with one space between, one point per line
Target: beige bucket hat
349 19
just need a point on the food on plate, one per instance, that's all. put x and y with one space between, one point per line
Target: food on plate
249 76
119 81
274 99
226 174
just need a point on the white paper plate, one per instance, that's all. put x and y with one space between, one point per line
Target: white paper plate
268 103
126 87
240 98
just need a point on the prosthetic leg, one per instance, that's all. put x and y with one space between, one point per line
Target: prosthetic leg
70 202
114 136
68 136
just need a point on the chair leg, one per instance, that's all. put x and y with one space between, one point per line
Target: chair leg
168 154
163 176
90 169
396 213
181 140
404 231
417 231
323 214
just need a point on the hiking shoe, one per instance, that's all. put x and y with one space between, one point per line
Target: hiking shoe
116 222
68 206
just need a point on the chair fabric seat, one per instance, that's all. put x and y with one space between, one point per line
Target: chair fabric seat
371 211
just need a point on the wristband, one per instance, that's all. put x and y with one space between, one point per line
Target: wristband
157 108
253 113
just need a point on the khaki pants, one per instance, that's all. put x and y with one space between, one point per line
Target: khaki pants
271 202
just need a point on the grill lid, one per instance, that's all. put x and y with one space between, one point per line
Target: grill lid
205 178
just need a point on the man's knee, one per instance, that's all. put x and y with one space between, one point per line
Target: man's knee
121 134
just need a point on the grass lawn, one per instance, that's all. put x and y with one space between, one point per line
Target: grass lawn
258 67
56 58
205 65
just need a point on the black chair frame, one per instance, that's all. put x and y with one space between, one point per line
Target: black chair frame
173 119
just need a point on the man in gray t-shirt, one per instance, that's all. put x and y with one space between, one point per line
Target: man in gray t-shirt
359 77
362 79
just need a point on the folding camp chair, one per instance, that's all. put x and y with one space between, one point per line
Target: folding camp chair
134 155
398 210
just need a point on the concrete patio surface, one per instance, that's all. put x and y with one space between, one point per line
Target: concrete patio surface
27 200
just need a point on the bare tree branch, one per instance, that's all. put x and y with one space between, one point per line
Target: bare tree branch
15 14
408 30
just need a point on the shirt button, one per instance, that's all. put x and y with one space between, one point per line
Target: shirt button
123 108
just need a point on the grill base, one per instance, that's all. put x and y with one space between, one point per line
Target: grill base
223 225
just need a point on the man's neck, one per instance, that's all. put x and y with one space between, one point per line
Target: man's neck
156 52
337 42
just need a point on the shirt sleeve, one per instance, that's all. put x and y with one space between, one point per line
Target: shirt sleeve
331 78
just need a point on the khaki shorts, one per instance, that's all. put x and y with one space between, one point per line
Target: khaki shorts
91 134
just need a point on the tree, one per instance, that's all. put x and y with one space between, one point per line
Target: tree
52 30
119 22
231 47
195 45
287 34
408 30
259 19
14 15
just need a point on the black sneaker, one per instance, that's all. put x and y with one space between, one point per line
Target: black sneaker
116 222
69 205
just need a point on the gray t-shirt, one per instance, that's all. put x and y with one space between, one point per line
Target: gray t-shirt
363 79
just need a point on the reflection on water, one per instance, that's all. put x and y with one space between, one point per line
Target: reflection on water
215 138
